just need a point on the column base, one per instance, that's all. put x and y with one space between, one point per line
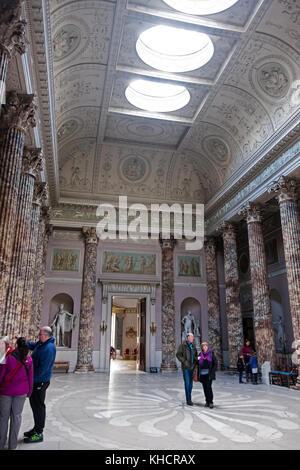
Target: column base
84 368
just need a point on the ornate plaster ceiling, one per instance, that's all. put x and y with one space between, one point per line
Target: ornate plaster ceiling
244 99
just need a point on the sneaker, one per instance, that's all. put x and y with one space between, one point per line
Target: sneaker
206 405
29 433
190 403
34 438
211 405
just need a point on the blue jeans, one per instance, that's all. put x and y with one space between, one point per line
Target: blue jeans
241 376
188 383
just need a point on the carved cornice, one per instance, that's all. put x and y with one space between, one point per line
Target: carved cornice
12 28
19 111
32 161
285 189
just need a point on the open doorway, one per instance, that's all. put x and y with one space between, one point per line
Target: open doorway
128 334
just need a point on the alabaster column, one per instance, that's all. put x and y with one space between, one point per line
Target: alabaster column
87 307
45 231
232 285
39 196
31 166
17 117
285 189
168 323
262 312
213 300
12 38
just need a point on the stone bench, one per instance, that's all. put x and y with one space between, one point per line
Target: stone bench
61 365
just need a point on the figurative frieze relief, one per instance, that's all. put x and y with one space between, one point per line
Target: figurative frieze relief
74 212
128 263
76 165
65 260
188 266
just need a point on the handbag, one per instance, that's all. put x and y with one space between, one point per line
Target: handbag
195 374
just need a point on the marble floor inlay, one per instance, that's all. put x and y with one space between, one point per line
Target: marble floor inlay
134 410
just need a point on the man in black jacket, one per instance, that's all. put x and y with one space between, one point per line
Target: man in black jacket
187 355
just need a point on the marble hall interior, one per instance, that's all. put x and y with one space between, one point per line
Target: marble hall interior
177 105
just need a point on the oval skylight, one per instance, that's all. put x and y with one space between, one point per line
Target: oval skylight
200 7
157 96
173 49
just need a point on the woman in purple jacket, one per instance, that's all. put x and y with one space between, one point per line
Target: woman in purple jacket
16 378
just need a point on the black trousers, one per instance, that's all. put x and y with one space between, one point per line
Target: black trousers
37 403
206 383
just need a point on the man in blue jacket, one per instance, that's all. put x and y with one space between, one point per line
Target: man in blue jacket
43 358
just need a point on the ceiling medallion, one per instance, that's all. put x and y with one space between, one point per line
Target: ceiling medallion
157 96
200 7
174 50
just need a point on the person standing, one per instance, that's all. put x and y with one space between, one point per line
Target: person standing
16 377
240 367
43 356
254 367
247 353
187 356
207 366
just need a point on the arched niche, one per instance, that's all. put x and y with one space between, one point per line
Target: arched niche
278 320
190 304
68 303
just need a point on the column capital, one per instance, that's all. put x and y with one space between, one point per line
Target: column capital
166 243
12 28
251 212
285 189
227 228
40 193
19 111
90 235
32 161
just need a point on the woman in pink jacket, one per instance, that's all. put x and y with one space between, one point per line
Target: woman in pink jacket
16 378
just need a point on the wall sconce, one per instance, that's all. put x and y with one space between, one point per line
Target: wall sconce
153 328
103 327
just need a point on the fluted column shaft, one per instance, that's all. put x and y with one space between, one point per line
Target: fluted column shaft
286 195
87 307
40 194
233 306
17 116
213 300
45 230
168 307
262 312
32 163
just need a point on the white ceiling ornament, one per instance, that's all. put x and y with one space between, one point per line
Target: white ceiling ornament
173 49
156 96
200 7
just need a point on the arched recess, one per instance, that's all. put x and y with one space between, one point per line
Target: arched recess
190 304
68 305
278 320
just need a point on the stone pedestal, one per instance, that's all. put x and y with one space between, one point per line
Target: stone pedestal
262 313
17 116
285 189
168 308
32 164
233 307
213 301
87 307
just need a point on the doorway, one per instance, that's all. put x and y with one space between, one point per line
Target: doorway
128 334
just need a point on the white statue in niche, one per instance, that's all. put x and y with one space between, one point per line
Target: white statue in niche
189 325
64 321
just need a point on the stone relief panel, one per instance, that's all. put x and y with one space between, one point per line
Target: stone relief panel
238 15
144 130
118 99
191 178
128 56
268 69
77 212
65 260
76 165
81 33
188 266
131 171
82 122
128 263
79 86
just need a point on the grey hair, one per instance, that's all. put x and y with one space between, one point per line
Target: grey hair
47 330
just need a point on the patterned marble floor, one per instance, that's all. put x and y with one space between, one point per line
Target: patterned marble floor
133 410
